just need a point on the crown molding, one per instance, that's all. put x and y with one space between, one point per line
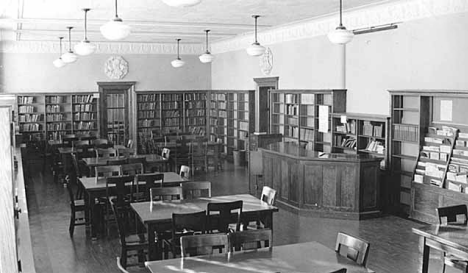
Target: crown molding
372 15
102 48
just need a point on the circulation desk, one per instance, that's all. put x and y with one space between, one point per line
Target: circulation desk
323 184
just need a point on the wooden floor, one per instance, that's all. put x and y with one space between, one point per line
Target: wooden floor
393 247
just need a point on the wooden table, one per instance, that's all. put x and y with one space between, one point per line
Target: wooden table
160 217
311 257
452 239
95 188
151 159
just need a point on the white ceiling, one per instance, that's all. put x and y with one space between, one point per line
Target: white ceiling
152 21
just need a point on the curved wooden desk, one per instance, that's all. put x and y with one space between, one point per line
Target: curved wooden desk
327 185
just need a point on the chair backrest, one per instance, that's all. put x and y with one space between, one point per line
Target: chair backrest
166 194
192 190
202 244
100 142
77 143
166 153
132 168
185 171
85 151
119 265
221 214
106 171
141 160
451 213
106 152
186 224
118 211
268 195
250 239
152 180
357 249
119 190
76 167
125 152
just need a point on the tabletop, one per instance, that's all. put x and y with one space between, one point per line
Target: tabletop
94 161
94 183
310 257
452 235
69 150
162 211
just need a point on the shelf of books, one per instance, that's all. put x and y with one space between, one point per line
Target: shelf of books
231 119
31 117
172 113
303 116
195 113
148 120
58 116
85 114
407 121
356 133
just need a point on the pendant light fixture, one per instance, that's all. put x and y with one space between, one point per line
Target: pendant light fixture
340 35
69 57
59 62
115 29
85 47
256 49
206 57
177 62
181 3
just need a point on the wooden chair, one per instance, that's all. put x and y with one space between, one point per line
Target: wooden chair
152 180
120 267
357 249
68 139
222 214
203 244
250 239
100 143
185 172
185 224
132 169
106 152
166 194
78 143
125 152
166 153
129 243
268 195
453 215
106 171
342 270
193 190
141 160
76 206
118 193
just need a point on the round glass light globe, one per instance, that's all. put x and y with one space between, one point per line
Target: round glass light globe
181 3
256 50
340 36
115 30
85 48
206 57
58 63
177 63
69 57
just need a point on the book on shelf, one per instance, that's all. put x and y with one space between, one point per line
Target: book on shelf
418 178
454 187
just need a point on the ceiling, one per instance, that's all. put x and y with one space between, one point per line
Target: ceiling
152 21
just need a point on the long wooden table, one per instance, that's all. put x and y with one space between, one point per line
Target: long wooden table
452 239
151 159
159 218
311 257
96 188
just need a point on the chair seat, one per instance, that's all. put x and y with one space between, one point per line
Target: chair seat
79 203
456 262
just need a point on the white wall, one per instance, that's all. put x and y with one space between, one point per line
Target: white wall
29 72
426 53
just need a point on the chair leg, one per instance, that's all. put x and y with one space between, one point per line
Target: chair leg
71 229
123 258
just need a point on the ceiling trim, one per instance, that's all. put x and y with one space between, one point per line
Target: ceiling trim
370 16
405 10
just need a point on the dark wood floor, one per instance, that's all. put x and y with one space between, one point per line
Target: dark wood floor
393 247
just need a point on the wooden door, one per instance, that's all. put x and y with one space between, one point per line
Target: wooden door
115 111
262 103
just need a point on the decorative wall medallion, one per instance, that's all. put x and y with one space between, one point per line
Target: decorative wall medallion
266 62
116 68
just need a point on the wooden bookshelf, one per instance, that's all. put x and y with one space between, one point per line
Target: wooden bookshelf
31 121
303 116
231 119
426 161
85 114
58 116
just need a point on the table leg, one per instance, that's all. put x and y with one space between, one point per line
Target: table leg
94 215
152 245
425 259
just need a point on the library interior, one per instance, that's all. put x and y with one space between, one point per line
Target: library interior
175 136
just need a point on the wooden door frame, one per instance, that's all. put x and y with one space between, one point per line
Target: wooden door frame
129 89
262 102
